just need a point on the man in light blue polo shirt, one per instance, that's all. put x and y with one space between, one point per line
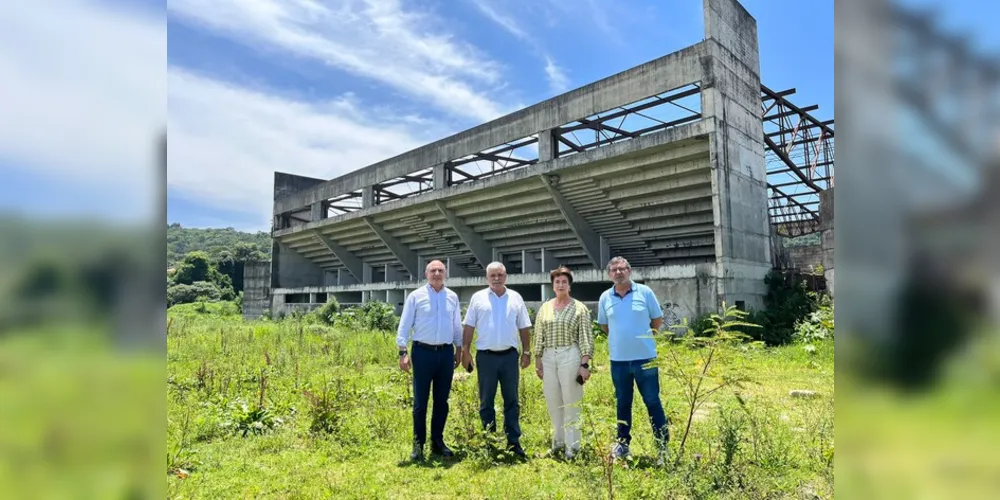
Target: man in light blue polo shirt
628 312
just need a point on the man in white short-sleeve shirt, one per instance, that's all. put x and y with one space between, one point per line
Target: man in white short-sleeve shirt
500 319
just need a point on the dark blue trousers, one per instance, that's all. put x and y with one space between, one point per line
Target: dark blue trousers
431 367
623 375
502 369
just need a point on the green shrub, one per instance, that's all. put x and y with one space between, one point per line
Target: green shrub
373 315
327 313
787 302
818 325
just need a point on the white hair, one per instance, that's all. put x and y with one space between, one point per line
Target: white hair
495 266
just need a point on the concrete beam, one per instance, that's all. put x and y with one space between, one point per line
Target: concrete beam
402 253
610 155
482 250
353 264
668 72
677 271
589 239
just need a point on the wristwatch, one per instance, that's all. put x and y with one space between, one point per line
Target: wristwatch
585 365
402 353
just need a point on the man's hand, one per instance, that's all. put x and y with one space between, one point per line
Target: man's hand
538 367
458 357
466 359
404 363
525 360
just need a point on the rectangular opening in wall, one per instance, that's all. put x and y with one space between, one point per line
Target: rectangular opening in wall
507 157
405 186
297 298
659 112
343 204
321 298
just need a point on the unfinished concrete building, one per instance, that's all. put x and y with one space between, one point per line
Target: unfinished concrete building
686 165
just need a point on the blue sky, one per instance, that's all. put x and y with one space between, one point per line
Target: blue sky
321 88
314 87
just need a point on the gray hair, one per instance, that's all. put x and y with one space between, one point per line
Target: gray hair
496 265
616 260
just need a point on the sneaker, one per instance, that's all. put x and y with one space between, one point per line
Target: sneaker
662 452
620 451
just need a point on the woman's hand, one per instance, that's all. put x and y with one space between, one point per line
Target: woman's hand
584 373
538 367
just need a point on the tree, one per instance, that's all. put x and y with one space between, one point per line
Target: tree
196 266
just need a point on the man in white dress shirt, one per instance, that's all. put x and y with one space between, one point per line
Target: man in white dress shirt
498 316
433 314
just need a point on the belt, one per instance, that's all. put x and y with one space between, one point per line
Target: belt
505 351
433 347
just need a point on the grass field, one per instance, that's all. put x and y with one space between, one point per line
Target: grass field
295 410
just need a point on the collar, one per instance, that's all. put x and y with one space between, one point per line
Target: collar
505 290
631 288
431 289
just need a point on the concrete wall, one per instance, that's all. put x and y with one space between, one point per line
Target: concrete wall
805 258
826 226
731 96
256 288
291 270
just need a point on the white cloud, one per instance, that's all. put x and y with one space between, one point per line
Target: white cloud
227 141
375 39
504 21
80 97
558 81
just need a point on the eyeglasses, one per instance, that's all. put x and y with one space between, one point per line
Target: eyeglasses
620 269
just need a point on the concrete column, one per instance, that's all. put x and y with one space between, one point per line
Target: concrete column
366 273
605 252
317 211
547 145
547 292
827 242
312 297
368 196
549 260
392 274
530 263
440 177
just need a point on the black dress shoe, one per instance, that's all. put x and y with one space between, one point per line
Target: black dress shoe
516 449
418 452
441 449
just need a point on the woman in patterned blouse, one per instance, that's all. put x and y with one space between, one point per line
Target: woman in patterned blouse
563 346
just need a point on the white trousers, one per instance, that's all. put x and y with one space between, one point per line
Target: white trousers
563 394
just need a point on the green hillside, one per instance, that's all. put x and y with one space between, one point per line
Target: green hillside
182 240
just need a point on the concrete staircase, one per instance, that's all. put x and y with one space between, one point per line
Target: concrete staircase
592 203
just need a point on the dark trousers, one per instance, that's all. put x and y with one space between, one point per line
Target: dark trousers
623 375
502 369
431 367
